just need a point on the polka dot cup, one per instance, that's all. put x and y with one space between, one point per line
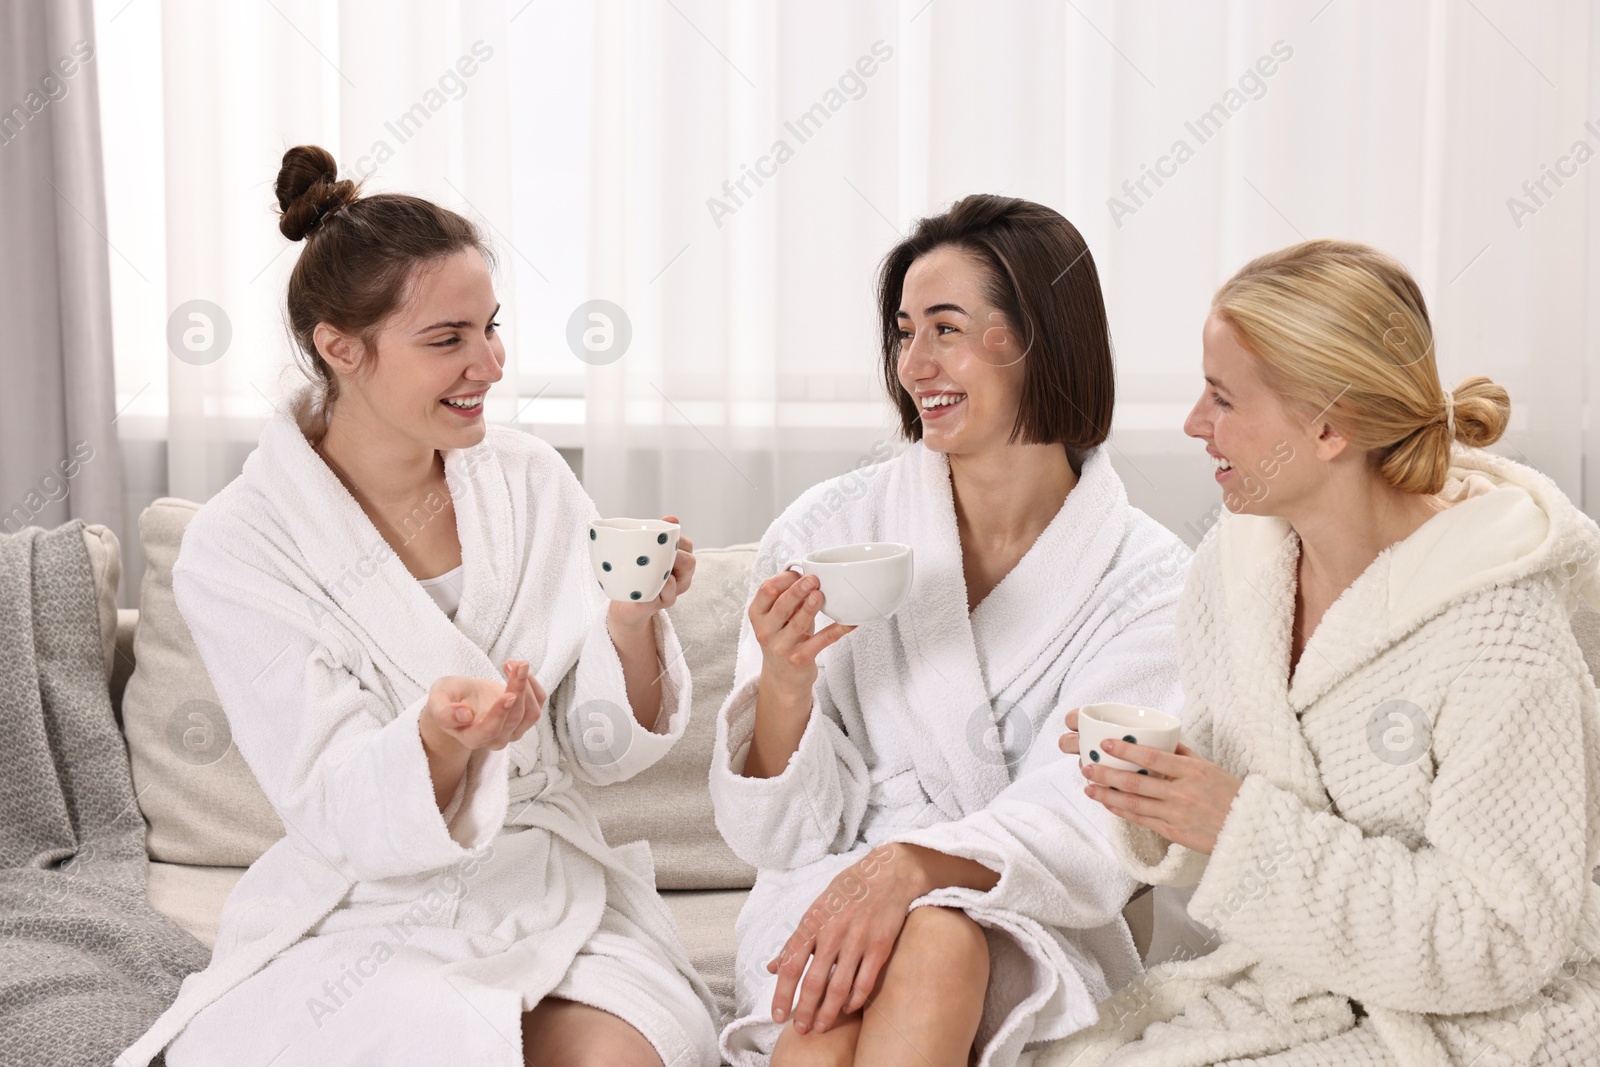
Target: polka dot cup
632 558
1125 722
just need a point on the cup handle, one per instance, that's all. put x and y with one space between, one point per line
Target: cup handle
792 564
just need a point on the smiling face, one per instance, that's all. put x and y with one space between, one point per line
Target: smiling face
959 359
1265 453
441 345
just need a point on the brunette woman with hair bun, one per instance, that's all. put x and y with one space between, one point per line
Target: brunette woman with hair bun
1388 803
442 893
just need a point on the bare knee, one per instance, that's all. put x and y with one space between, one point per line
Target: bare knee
563 1033
834 1047
932 992
947 940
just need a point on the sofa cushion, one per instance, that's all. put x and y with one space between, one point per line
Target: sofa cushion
192 896
670 804
105 563
127 625
198 796
705 922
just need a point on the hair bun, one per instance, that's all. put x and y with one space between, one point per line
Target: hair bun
308 190
1482 410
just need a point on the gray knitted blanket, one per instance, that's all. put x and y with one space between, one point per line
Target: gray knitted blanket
86 964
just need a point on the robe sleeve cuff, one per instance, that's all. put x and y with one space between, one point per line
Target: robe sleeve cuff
1151 858
1235 877
481 800
795 817
803 771
605 736
648 745
455 801
410 832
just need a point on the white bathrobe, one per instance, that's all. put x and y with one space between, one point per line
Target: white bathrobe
380 930
1420 811
939 728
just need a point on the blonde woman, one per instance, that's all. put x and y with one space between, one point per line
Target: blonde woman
1389 800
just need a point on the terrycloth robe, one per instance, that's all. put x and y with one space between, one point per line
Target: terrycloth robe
1420 811
380 929
938 727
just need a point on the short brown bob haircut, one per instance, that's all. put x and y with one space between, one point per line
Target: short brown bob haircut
1043 280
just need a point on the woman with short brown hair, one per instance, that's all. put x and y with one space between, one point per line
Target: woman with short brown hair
894 782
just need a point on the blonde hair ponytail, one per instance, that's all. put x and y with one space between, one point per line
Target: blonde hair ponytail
1342 333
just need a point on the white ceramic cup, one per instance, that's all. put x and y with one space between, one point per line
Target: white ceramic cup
632 558
1125 722
860 583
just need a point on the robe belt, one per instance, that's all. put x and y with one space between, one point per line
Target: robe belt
537 784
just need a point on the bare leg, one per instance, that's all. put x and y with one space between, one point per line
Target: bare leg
564 1033
929 999
834 1047
925 1010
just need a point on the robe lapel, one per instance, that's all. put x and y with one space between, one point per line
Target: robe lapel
489 559
366 586
1023 621
1489 530
1353 630
1257 729
950 702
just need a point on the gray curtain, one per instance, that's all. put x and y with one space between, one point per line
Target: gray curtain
59 457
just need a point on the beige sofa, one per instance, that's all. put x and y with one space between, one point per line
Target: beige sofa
208 820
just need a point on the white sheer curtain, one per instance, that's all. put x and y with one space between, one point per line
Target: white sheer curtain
604 142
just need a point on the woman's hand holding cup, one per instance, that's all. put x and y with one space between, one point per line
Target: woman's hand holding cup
783 615
642 565
1148 776
866 583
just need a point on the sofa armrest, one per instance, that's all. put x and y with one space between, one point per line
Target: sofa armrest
122 668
